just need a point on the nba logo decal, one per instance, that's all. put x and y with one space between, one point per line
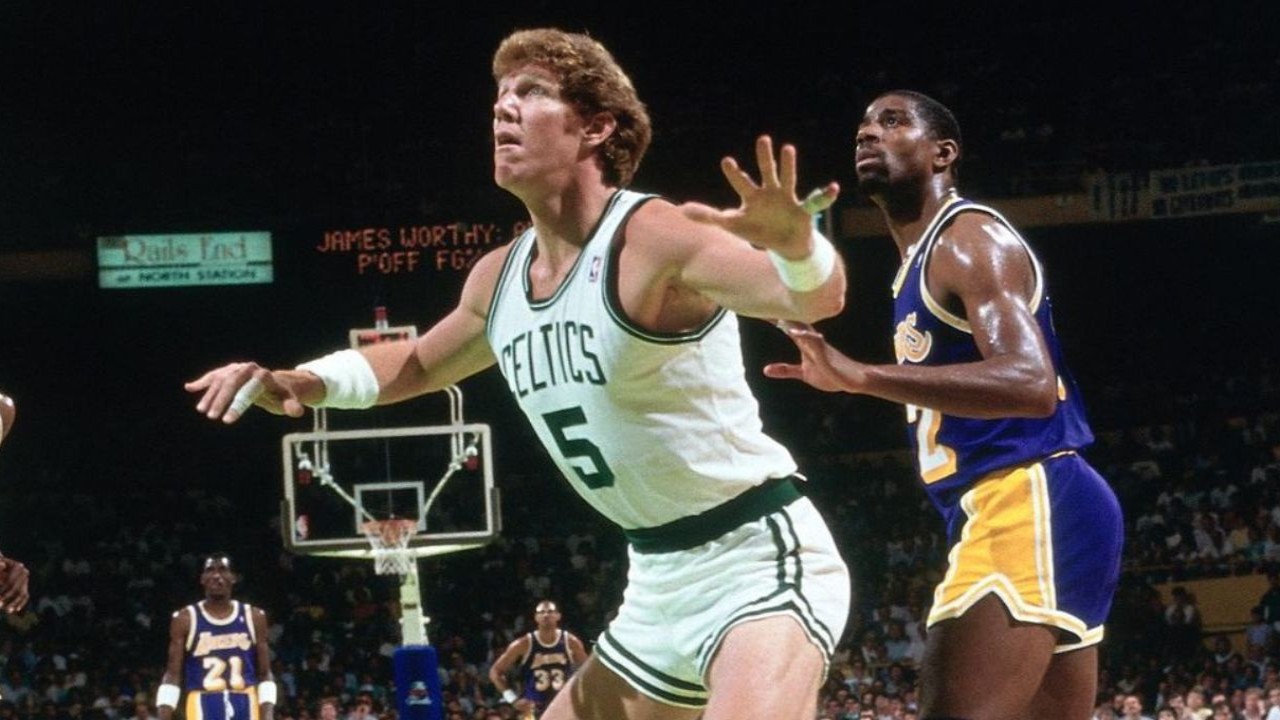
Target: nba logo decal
594 274
418 694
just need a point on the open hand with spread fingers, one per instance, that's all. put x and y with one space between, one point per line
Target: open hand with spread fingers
821 365
770 215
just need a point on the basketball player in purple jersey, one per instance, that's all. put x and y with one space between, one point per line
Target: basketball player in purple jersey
546 657
995 420
218 651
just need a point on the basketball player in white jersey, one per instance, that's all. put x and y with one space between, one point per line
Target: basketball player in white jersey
14 576
614 321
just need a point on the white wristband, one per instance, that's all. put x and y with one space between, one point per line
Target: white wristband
509 696
266 692
167 695
349 382
812 271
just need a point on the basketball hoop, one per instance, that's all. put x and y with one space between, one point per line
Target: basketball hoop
390 542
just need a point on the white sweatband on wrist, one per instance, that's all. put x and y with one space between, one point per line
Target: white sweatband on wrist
810 272
167 695
266 692
509 696
349 382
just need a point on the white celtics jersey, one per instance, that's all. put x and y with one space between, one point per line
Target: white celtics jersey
647 427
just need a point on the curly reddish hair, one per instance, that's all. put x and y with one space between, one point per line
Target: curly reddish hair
591 81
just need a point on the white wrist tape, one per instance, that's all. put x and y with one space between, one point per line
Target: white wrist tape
349 382
266 692
167 695
509 696
811 272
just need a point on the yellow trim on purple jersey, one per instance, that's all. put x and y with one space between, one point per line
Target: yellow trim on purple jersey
953 452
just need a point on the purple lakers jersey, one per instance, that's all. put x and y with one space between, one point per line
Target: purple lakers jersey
953 452
546 668
220 652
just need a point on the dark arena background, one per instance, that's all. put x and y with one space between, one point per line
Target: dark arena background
1138 153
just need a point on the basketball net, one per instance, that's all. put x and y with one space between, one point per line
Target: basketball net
390 542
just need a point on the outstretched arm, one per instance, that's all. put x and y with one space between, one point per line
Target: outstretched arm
453 349
983 269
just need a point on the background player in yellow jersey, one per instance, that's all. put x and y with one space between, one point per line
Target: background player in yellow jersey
546 657
995 421
218 651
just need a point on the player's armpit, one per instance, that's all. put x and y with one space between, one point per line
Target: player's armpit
664 244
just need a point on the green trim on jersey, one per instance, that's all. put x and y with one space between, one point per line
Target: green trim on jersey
498 289
577 262
613 302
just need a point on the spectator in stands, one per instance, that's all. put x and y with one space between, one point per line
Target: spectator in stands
1273 703
896 642
361 709
142 710
857 678
1196 708
1131 708
1270 601
1269 547
1225 655
1253 706
872 649
1175 702
1222 711
1183 623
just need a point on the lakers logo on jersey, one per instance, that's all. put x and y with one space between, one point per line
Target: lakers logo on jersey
209 642
909 343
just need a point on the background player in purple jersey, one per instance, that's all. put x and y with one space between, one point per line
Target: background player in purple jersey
218 651
1035 534
546 657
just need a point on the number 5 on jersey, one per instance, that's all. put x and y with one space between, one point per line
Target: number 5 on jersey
577 450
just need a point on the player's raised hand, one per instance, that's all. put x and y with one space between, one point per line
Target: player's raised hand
821 365
228 391
13 585
770 215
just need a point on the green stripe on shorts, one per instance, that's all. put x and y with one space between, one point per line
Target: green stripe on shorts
628 663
